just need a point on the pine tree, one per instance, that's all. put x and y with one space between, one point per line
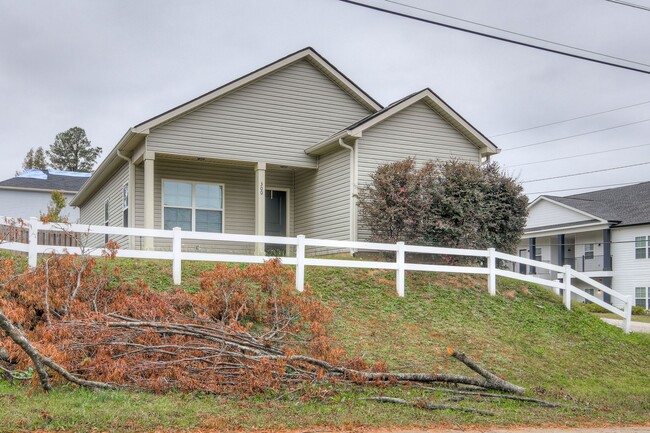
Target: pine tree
35 159
72 151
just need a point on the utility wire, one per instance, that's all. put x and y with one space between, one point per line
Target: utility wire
586 172
582 188
498 38
632 5
569 120
576 156
513 33
575 135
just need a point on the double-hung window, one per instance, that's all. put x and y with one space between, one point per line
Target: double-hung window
106 220
589 251
642 247
642 297
193 206
538 254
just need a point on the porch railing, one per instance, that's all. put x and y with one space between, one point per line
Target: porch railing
485 263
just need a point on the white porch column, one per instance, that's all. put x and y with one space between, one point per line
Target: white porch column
260 202
149 158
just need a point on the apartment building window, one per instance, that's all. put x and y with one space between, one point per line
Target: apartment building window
538 254
642 247
642 297
589 251
106 220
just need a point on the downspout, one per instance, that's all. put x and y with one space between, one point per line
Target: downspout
353 210
131 197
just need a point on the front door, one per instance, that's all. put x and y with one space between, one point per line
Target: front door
522 267
276 220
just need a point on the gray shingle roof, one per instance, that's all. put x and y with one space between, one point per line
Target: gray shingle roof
50 181
626 205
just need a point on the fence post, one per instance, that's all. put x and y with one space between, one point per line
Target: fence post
556 290
400 269
300 263
492 276
33 242
567 287
176 251
627 321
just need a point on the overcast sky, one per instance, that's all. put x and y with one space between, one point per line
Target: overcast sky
108 65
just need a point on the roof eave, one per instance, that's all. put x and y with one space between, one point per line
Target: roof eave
325 146
107 166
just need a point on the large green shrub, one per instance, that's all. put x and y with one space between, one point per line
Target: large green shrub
451 204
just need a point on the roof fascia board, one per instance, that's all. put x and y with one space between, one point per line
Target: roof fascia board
566 230
541 197
428 95
307 53
20 188
103 170
321 148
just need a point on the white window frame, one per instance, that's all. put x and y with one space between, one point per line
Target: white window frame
125 205
645 248
590 250
540 255
193 208
646 298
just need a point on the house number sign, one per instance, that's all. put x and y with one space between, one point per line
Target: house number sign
261 188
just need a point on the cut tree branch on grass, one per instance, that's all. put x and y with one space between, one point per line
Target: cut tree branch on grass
494 381
543 403
429 406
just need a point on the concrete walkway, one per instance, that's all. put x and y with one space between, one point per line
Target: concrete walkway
636 326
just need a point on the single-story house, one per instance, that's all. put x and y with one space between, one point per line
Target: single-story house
280 151
604 233
29 193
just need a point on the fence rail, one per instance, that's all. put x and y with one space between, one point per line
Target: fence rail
487 263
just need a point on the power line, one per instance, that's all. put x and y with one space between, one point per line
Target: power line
575 135
498 38
632 5
512 32
569 120
582 188
586 172
576 156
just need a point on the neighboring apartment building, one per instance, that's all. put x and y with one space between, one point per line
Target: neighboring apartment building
28 194
605 234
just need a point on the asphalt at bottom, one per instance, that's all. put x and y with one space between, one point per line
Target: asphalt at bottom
544 430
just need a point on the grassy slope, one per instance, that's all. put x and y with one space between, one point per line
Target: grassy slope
523 334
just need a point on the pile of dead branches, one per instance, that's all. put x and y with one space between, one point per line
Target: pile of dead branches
247 330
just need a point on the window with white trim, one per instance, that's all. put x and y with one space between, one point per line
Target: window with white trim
642 247
193 206
125 205
642 297
538 254
589 251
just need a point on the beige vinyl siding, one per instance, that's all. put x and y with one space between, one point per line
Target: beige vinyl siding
323 199
273 119
416 131
629 272
92 211
239 204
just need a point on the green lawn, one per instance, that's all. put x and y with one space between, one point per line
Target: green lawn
523 334
635 318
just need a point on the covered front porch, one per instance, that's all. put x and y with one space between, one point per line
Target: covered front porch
211 195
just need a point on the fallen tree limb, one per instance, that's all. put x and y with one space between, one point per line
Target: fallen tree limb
543 403
426 405
494 381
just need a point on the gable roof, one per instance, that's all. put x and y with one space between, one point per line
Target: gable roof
427 96
136 134
623 206
308 54
47 180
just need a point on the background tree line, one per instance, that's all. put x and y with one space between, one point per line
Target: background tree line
71 151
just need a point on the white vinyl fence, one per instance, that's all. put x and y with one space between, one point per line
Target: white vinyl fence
176 255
